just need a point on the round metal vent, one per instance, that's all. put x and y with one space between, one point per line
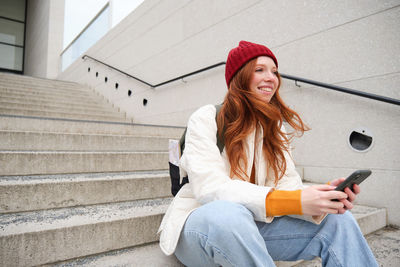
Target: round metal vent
361 139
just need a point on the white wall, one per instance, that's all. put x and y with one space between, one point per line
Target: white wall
44 37
349 43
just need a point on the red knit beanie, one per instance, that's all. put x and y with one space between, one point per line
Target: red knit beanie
240 55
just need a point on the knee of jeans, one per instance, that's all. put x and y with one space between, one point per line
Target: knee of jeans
343 222
224 215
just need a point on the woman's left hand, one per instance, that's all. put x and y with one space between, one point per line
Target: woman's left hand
352 194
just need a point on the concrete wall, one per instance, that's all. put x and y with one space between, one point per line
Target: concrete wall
349 43
44 38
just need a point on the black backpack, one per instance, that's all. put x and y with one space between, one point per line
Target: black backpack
174 169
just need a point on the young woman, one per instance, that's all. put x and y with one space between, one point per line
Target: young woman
232 212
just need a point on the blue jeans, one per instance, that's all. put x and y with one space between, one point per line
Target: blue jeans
223 233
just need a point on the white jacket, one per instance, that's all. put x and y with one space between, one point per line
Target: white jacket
208 171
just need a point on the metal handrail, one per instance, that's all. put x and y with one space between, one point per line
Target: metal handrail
343 89
192 73
285 76
162 83
111 67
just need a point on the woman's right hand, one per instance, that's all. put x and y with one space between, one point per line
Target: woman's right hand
319 199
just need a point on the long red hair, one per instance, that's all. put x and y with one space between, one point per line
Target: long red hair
242 110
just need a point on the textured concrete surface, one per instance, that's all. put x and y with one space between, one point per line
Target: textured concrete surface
54 90
369 219
385 245
17 94
35 238
146 255
61 103
53 162
26 99
25 193
99 202
71 115
33 89
43 82
19 123
10 102
44 38
22 140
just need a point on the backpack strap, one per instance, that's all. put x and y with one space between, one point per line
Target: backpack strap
182 142
220 142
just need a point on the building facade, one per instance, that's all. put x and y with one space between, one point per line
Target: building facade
353 44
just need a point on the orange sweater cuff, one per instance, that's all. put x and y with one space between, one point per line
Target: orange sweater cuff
280 202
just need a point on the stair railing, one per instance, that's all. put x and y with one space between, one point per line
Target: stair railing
343 89
285 76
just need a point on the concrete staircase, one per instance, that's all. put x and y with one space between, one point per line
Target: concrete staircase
77 178
80 184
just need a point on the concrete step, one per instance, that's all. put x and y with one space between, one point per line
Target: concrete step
370 219
35 238
43 91
60 103
70 114
51 107
59 125
57 162
385 246
94 99
139 256
29 193
34 81
18 140
151 255
54 86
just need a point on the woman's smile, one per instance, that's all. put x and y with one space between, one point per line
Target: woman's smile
264 80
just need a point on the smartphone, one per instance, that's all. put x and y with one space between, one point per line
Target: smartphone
355 178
